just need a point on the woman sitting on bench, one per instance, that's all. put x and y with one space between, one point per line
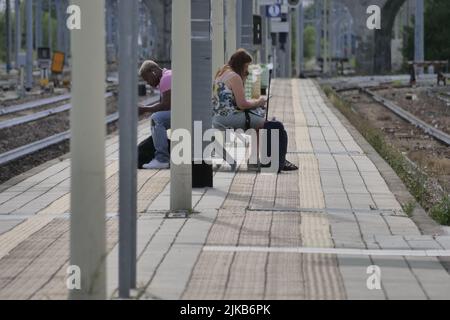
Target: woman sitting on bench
229 95
230 104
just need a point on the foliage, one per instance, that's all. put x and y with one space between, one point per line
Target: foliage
45 18
437 32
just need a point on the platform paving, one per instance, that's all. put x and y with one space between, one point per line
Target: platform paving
241 242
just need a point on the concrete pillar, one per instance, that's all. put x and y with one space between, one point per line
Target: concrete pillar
87 220
230 25
18 31
181 174
419 34
29 28
128 58
218 36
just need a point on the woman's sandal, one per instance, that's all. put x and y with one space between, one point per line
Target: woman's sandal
288 166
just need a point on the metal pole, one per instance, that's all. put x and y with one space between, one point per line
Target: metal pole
419 51
38 21
202 68
18 32
29 25
300 38
8 36
331 33
50 32
181 175
66 34
265 42
128 57
109 13
246 24
218 56
59 26
325 36
318 28
88 226
288 52
239 23
231 28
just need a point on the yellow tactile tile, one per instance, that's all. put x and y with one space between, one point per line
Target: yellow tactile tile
311 195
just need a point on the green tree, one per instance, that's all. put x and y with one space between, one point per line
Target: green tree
310 42
437 32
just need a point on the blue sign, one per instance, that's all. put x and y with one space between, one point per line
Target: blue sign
273 11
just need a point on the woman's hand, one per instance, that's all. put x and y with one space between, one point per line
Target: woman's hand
261 102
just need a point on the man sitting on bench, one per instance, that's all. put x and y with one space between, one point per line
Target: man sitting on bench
160 78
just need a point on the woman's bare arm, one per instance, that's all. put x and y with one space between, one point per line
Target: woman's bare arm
237 86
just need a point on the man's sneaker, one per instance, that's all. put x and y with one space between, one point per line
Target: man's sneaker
156 165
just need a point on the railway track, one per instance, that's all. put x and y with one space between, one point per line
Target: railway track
405 115
37 146
34 104
39 115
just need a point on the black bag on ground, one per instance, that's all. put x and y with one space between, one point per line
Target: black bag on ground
283 141
146 152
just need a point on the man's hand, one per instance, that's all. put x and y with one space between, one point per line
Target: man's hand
143 109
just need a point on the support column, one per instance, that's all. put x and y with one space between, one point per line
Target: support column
8 35
300 40
218 55
18 31
59 26
109 40
419 33
265 48
202 56
325 37
87 220
29 25
318 8
181 174
230 25
239 24
128 83
66 33
246 25
288 66
50 29
38 23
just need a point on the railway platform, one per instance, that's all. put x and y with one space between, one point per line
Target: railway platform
333 230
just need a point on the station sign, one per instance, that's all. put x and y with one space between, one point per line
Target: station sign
269 2
279 27
273 11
